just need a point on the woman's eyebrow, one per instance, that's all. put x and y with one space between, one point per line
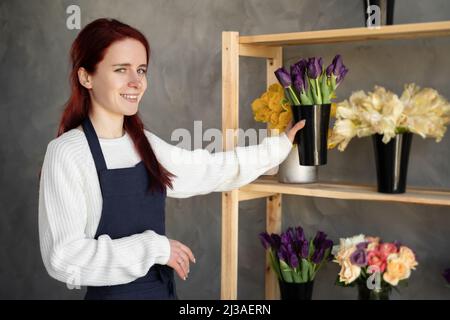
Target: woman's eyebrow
127 65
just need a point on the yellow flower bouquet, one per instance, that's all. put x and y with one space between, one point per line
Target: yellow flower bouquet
273 108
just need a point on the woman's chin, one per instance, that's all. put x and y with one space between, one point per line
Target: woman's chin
130 111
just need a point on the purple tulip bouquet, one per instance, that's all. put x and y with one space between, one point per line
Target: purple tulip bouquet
309 84
309 89
293 257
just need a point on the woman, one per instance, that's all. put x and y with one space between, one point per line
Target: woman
105 178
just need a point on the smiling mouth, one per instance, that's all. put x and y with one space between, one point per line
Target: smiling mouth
130 97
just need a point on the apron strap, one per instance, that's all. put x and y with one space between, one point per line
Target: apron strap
94 144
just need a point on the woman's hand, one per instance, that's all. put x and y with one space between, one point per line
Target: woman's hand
179 258
292 131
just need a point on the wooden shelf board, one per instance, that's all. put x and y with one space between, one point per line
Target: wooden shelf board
350 191
413 30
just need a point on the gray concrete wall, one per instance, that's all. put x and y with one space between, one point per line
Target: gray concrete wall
185 80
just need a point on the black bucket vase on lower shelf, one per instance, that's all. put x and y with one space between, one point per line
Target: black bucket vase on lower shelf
391 161
296 291
364 293
313 138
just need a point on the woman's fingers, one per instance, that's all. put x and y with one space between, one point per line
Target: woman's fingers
183 261
180 256
298 126
188 252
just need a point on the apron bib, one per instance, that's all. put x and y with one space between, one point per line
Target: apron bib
128 208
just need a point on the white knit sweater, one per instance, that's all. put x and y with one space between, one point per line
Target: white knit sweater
70 201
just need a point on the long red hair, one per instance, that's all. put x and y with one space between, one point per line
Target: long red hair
87 51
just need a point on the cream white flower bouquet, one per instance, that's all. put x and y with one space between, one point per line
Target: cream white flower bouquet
421 111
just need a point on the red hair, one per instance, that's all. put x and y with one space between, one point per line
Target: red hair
87 51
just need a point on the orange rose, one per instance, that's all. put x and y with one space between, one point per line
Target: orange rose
407 255
396 270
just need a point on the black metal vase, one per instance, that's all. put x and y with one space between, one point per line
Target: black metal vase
386 11
313 138
391 160
296 291
365 293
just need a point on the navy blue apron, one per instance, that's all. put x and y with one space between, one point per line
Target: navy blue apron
128 208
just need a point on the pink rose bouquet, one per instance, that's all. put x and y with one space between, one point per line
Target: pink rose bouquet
373 264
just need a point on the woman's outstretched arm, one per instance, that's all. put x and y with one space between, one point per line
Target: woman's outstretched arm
201 172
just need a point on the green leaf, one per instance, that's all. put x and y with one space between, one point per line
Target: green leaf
286 271
305 100
305 270
275 264
296 275
312 271
333 82
313 85
293 96
319 94
311 249
325 89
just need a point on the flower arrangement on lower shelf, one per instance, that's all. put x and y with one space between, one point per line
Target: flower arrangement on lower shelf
296 260
374 266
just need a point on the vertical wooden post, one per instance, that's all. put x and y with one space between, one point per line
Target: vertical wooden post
273 225
273 214
230 200
273 64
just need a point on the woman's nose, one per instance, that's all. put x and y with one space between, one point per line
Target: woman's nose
135 82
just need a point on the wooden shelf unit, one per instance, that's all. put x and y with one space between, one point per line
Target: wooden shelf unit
270 47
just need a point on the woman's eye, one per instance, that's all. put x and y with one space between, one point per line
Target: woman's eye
121 70
142 71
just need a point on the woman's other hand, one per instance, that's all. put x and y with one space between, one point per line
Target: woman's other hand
180 257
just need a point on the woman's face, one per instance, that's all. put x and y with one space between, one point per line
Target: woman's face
120 80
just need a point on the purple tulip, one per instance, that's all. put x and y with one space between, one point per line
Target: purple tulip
337 69
335 66
266 240
359 258
341 75
283 77
300 234
446 275
285 239
314 67
305 249
318 255
293 260
283 254
298 73
319 239
327 244
276 241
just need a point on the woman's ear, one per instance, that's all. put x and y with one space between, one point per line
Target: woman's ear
84 78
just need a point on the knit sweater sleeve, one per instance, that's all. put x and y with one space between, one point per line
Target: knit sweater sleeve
201 172
71 256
